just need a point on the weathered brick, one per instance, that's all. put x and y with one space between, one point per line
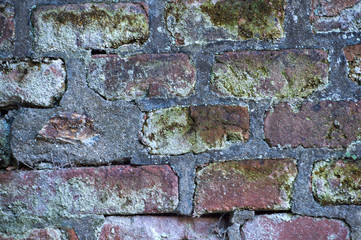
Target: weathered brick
152 228
148 75
35 234
179 130
353 57
102 190
324 124
270 74
89 26
335 15
39 83
7 26
291 227
202 21
4 142
248 184
337 182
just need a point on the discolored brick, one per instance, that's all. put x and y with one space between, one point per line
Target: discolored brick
89 26
195 129
7 26
353 57
103 190
147 75
337 182
333 124
248 184
203 21
270 74
32 234
37 83
5 151
291 227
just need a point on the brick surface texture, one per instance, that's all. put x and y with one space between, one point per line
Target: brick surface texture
180 119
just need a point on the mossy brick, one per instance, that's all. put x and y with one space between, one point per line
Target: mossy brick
282 74
335 16
337 182
5 151
179 130
79 191
332 124
7 27
353 57
248 184
89 26
140 76
159 227
282 226
202 21
36 83
32 234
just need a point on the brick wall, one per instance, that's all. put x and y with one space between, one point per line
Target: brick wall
180 119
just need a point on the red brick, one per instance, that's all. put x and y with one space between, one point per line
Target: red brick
72 234
36 234
147 75
324 124
353 57
153 228
248 184
102 190
7 26
290 227
334 15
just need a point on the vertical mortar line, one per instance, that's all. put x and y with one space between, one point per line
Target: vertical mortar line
203 63
22 29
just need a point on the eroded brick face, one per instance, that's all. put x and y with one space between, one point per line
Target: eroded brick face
89 26
30 82
7 26
335 15
291 227
148 75
324 124
248 184
195 129
205 21
337 182
270 74
353 57
33 234
103 190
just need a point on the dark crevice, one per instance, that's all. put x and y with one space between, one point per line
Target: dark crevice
98 52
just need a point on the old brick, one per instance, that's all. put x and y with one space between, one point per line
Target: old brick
202 21
179 130
4 142
30 82
36 234
324 124
89 26
291 227
337 182
152 228
102 190
7 26
335 15
248 184
353 57
270 74
148 75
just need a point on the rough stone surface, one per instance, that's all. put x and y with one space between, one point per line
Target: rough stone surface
5 151
324 124
353 57
154 228
270 74
89 26
102 133
195 129
291 227
102 190
248 184
148 75
33 234
202 21
337 182
30 82
7 26
335 15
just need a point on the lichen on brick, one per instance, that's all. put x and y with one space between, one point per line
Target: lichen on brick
196 129
7 26
353 57
5 151
202 21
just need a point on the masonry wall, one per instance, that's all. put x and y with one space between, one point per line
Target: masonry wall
190 119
